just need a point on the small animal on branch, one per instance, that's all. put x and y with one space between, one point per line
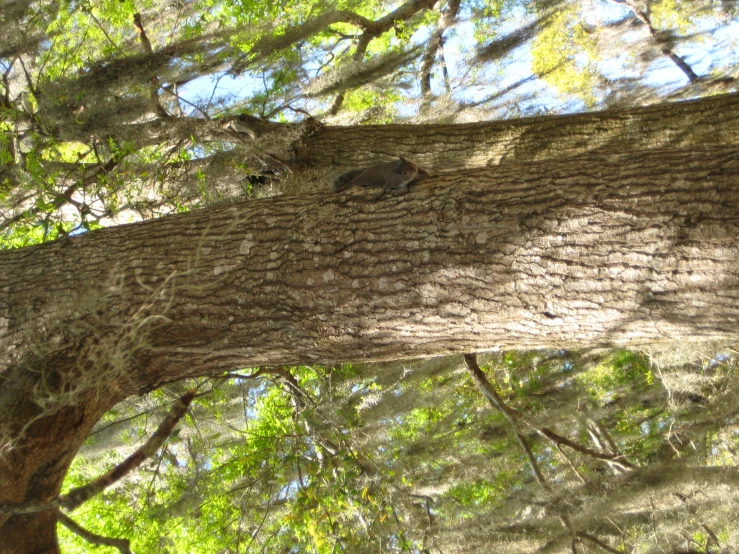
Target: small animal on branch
394 175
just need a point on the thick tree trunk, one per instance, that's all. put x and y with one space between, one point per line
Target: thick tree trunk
622 249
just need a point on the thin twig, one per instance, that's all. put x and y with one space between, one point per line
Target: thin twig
570 462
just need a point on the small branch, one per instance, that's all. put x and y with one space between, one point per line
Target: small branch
500 93
404 12
76 497
7 104
444 69
27 75
119 421
596 541
570 462
124 545
173 91
599 435
677 60
616 459
270 44
434 45
63 198
681 64
154 87
606 435
254 375
486 388
511 415
711 537
364 41
294 387
299 398
88 10
514 417
532 461
145 42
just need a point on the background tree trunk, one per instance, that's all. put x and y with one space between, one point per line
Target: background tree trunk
696 123
625 249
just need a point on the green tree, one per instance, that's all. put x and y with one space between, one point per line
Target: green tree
581 231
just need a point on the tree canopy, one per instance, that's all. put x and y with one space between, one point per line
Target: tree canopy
118 111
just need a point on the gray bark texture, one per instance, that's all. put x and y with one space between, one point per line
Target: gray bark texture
600 249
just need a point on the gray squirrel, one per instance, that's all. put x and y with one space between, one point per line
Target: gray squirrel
395 175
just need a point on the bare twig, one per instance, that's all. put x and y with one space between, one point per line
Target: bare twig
88 10
616 459
119 421
570 462
60 199
515 417
711 538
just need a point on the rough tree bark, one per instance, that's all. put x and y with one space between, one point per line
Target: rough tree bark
601 249
696 123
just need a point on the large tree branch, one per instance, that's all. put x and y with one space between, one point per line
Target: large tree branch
630 248
650 206
695 123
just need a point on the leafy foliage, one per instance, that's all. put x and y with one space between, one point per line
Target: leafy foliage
412 459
